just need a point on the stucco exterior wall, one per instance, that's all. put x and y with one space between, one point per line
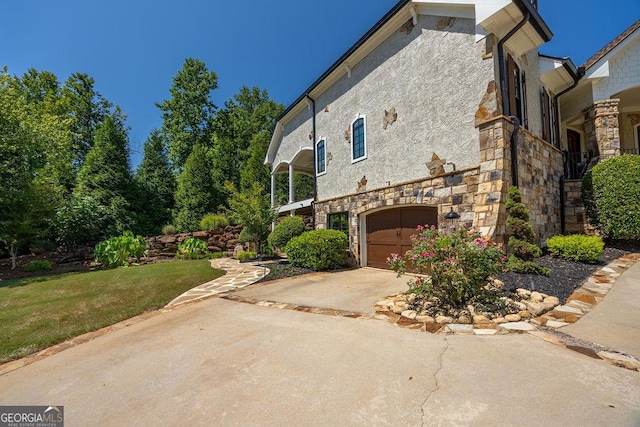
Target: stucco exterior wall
624 73
295 136
434 79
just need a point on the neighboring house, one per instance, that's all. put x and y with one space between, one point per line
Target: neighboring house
417 120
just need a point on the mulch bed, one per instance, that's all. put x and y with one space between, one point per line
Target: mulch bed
565 277
281 269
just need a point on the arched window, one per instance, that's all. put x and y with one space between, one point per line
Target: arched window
358 139
321 157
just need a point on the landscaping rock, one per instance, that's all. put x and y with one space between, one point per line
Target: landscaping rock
444 320
512 318
409 314
425 319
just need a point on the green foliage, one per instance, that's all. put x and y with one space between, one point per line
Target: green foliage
40 246
285 230
318 250
80 220
115 252
524 250
106 177
188 115
192 249
243 256
520 266
38 265
211 222
246 236
521 244
169 230
194 196
453 268
577 247
156 182
611 193
252 209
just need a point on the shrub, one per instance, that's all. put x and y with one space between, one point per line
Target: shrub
611 194
192 249
318 250
577 247
246 236
523 250
520 266
38 265
452 268
286 230
243 256
115 252
169 230
210 222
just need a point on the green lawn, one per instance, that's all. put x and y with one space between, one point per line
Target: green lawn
36 313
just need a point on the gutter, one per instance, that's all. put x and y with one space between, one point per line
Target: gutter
506 109
315 165
576 79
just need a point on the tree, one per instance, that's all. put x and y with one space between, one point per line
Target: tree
252 209
187 116
156 182
242 134
87 110
195 195
106 177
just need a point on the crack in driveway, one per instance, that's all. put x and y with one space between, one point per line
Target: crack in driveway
435 376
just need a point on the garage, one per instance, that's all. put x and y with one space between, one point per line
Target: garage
390 231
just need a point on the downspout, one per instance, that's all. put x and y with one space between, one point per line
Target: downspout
315 174
563 214
506 110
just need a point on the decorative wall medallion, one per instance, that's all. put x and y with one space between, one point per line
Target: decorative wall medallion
362 184
326 109
488 107
329 157
407 27
389 117
347 135
311 136
436 165
635 119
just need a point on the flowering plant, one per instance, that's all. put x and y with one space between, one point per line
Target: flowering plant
452 268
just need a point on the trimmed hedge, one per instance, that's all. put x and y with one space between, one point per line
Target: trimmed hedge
318 250
577 247
286 230
611 194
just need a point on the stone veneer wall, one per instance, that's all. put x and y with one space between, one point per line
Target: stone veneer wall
575 214
540 167
455 189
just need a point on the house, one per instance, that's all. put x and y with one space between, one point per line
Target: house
600 116
439 108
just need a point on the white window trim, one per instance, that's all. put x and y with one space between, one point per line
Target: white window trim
364 117
325 156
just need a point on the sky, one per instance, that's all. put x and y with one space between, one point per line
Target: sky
133 48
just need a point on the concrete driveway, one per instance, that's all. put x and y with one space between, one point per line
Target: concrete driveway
220 362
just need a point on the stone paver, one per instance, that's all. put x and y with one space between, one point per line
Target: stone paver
239 275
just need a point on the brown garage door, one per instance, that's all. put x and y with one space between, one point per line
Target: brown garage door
390 231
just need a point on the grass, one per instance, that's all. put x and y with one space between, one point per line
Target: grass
38 312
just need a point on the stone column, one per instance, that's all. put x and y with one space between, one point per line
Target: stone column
603 128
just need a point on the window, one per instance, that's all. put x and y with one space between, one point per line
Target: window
637 139
339 221
321 157
358 139
517 89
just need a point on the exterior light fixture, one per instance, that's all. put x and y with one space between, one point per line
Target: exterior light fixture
453 216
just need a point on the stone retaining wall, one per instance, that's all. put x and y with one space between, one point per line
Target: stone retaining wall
220 240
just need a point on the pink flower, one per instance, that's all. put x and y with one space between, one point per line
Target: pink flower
420 228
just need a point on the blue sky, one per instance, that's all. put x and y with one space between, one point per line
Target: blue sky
133 48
